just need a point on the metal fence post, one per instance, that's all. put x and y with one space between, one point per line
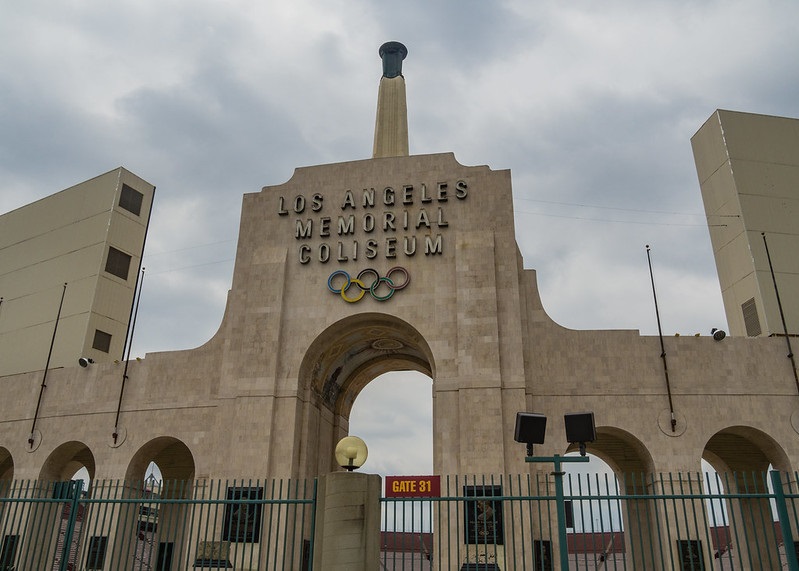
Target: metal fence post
785 522
560 498
76 488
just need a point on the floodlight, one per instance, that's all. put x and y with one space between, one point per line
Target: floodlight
530 429
580 428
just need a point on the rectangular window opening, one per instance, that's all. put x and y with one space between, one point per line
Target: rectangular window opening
131 200
164 559
690 552
95 559
482 518
242 523
117 263
8 551
102 341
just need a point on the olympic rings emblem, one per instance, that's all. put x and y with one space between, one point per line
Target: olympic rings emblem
362 284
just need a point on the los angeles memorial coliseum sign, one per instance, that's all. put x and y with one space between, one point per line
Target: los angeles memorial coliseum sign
411 218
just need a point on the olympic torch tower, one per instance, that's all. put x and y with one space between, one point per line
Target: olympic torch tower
391 125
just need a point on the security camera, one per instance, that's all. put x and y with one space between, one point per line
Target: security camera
718 334
85 361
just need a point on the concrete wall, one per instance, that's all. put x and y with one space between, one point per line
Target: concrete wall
748 167
270 394
65 238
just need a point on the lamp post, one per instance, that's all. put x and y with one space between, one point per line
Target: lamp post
580 428
351 452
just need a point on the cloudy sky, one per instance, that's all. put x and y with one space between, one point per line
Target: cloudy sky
590 104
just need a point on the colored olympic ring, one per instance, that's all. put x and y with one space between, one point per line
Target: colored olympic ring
363 284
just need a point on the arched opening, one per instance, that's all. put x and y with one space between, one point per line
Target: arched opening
9 538
161 470
619 465
343 360
394 416
66 461
736 463
66 475
6 468
171 457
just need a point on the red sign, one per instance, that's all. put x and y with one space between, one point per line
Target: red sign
413 486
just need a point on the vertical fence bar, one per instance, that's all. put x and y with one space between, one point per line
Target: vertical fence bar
785 523
766 519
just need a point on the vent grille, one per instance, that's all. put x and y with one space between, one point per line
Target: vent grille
751 319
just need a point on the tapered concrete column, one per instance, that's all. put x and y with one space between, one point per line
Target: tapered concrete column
347 534
391 124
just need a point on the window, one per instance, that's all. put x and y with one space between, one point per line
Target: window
243 520
482 517
117 263
130 199
751 319
8 551
102 341
164 560
95 559
690 551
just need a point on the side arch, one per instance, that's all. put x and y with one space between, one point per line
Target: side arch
6 465
622 451
633 467
745 449
160 530
171 455
742 456
65 460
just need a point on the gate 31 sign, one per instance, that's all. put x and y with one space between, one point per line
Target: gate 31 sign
413 486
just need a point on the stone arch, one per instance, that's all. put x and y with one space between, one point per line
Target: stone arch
622 451
342 360
738 449
6 465
633 466
159 532
742 456
172 456
54 483
65 460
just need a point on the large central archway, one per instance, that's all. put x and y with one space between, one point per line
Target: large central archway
342 360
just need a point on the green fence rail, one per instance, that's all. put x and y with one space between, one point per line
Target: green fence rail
154 526
669 522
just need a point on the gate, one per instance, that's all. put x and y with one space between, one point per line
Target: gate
154 526
668 521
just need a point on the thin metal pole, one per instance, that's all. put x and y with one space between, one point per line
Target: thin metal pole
560 498
782 314
115 434
128 332
662 346
31 438
561 507
76 488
